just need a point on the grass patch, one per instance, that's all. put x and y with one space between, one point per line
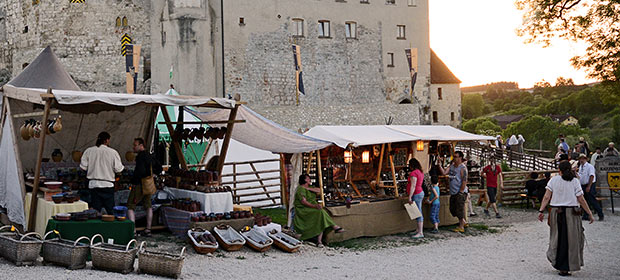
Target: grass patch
278 215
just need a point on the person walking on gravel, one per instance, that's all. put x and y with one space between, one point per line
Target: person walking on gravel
458 188
564 194
492 173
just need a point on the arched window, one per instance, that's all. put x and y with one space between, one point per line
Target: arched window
125 22
118 22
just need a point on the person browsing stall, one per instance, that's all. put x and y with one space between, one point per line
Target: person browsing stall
457 173
433 200
146 166
587 179
101 163
492 173
564 194
311 220
415 192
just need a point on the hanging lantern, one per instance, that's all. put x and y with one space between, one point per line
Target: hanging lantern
348 157
366 157
420 145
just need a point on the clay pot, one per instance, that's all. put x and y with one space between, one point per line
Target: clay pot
76 156
235 215
195 219
37 130
203 218
130 156
58 124
57 155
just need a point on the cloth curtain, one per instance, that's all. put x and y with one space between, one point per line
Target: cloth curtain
11 196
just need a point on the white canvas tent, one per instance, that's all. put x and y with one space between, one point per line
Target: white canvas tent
355 136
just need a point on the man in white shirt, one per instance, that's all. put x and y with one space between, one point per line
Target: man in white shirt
587 178
597 154
101 163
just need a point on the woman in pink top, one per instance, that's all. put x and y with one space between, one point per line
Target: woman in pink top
415 192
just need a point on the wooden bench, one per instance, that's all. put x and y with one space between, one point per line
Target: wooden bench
526 199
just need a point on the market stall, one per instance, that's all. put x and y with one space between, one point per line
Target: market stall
364 176
84 115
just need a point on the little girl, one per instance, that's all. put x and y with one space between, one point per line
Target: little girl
433 200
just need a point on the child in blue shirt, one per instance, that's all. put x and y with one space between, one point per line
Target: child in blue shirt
433 200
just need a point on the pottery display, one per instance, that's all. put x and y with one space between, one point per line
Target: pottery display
76 156
57 155
57 124
130 156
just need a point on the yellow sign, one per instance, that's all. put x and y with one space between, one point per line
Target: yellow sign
613 179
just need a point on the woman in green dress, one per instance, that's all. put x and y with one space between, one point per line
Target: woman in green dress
311 220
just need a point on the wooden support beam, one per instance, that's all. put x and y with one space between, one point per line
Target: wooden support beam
309 163
205 122
229 130
34 114
283 186
175 144
234 181
251 173
37 170
393 170
380 166
320 176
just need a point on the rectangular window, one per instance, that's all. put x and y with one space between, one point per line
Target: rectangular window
324 29
390 59
364 1
435 117
298 25
439 94
401 32
452 116
390 2
350 29
412 3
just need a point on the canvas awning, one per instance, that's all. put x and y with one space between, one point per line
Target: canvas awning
69 97
264 134
355 136
359 135
439 133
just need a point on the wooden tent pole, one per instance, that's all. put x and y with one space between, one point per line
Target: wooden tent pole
229 130
380 164
283 186
320 175
37 170
309 163
393 170
175 144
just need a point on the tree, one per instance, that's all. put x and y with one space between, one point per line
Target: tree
597 23
473 106
537 128
561 81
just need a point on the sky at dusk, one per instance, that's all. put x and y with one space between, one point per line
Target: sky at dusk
478 41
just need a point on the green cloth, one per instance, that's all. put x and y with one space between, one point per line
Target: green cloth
120 231
310 222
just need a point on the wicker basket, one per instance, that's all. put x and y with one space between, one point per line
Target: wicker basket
63 252
257 239
228 238
110 257
159 263
201 248
285 242
21 249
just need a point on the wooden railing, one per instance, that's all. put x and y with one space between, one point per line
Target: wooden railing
260 188
514 185
513 159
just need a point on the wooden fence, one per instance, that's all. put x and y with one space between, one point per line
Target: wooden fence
513 159
261 187
514 185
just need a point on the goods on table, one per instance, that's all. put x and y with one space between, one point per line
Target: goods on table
203 180
53 185
186 204
21 249
119 211
256 239
79 216
107 218
67 253
202 240
62 217
261 220
284 241
211 217
68 197
111 257
228 238
159 263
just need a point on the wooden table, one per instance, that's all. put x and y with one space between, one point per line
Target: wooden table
47 209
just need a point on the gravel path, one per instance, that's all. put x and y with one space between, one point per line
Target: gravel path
517 252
